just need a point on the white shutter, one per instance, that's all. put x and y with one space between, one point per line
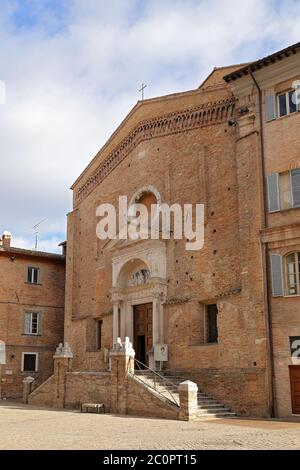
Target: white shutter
273 192
39 323
271 113
295 176
297 95
27 323
277 275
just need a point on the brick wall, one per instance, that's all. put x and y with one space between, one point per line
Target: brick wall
17 297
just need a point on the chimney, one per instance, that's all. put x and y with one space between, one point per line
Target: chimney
6 239
64 248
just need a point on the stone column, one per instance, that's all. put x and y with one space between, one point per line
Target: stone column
116 306
122 321
122 363
155 321
188 400
62 364
27 388
129 321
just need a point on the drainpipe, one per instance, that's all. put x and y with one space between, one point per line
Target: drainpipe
268 312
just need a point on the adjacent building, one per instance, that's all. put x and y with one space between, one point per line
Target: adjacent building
31 314
270 89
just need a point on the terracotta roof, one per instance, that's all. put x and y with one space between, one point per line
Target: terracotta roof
37 254
270 59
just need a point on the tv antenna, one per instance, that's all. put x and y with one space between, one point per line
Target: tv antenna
36 229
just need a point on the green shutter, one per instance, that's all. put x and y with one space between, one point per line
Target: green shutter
297 95
271 113
277 275
273 192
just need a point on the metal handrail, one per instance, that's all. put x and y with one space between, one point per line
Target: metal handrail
142 367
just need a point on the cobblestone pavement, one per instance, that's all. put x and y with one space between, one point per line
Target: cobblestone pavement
23 427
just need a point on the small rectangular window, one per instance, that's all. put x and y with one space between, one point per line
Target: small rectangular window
292 102
292 269
29 362
286 103
212 323
284 190
31 323
282 105
98 335
295 177
33 275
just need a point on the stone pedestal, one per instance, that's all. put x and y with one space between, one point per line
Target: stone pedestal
122 363
62 364
27 388
188 400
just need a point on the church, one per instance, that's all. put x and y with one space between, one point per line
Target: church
217 327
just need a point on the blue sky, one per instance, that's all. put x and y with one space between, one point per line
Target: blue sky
72 70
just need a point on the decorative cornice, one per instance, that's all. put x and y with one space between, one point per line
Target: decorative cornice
177 300
173 123
236 290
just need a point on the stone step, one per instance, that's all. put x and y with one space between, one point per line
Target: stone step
215 415
207 407
213 406
222 409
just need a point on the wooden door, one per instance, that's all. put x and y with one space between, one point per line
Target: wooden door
295 388
142 331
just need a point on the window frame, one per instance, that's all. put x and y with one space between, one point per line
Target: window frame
287 103
287 274
31 313
29 353
38 280
294 206
208 328
292 189
99 326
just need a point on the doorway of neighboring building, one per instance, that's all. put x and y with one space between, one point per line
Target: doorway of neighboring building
295 388
142 332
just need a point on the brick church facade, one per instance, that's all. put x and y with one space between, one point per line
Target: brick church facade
227 316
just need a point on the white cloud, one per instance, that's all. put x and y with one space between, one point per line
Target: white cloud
68 87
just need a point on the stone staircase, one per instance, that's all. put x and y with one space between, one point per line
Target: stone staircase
167 386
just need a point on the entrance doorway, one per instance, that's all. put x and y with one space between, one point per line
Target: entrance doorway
295 388
142 332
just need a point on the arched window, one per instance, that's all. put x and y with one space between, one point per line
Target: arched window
292 273
149 197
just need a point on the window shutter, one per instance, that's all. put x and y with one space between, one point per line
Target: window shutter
271 107
273 192
39 316
295 174
277 275
26 326
297 95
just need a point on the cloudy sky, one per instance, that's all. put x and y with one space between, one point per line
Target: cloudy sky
72 70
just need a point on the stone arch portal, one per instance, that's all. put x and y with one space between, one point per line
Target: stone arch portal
138 294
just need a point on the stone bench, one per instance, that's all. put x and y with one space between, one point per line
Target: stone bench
92 408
